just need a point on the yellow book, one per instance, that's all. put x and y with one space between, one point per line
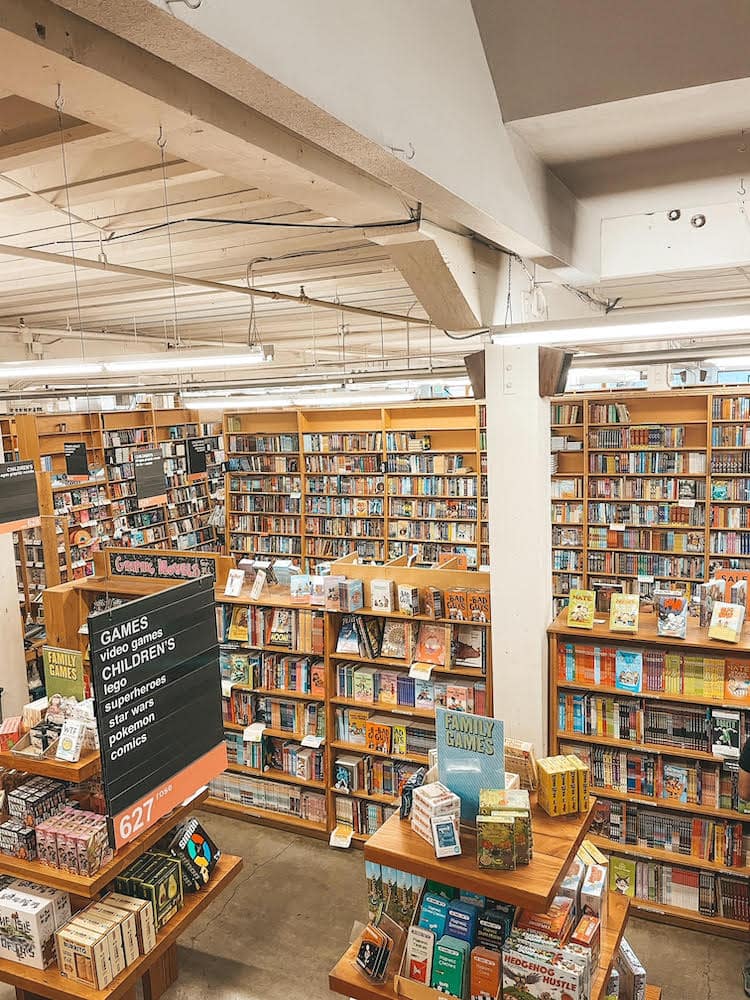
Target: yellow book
583 782
623 612
595 854
713 677
726 621
581 606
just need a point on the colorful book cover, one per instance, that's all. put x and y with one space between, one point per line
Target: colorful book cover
581 606
457 697
468 647
394 643
238 627
628 669
675 782
378 735
432 644
470 756
671 614
280 630
623 612
622 875
457 604
725 732
65 677
357 727
726 621
381 595
424 694
348 637
479 605
737 680
300 588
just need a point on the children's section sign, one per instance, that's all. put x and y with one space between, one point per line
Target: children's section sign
19 499
150 481
157 685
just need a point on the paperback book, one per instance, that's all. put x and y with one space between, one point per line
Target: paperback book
623 612
726 621
671 614
432 644
581 606
628 670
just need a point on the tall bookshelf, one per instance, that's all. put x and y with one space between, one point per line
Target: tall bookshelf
381 483
188 498
484 502
666 803
8 438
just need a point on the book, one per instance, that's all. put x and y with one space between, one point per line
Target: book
468 647
378 734
434 606
235 582
470 756
737 680
332 590
347 640
419 947
725 732
581 606
65 679
726 621
628 669
300 588
408 599
381 595
479 605
432 644
394 642
623 612
238 625
351 595
671 614
457 604
280 629
675 782
622 872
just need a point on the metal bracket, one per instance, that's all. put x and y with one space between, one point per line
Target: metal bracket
192 4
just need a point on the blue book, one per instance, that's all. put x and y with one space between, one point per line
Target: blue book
471 756
628 669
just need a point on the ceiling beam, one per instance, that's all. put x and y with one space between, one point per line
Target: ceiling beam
29 152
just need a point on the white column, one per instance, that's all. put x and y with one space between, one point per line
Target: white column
13 661
518 428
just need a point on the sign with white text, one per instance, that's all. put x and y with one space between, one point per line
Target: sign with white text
19 500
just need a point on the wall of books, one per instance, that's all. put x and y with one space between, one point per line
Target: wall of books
317 485
325 715
661 723
648 490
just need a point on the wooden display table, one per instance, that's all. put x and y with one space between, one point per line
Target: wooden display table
157 970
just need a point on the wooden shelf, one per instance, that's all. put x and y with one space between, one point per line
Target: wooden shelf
679 917
686 699
638 798
382 706
386 800
274 775
611 935
670 857
48 767
556 841
265 816
89 887
278 693
412 758
52 984
696 638
386 661
655 748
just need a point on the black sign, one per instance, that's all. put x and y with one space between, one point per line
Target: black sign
76 459
197 449
150 481
157 690
19 501
155 566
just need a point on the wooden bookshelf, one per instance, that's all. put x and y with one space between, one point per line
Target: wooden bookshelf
379 482
635 820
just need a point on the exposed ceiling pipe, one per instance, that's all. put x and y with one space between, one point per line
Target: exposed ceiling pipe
35 196
219 286
93 335
664 355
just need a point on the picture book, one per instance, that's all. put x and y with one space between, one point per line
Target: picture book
318 679
725 732
238 626
457 605
581 605
424 694
364 684
373 634
381 595
737 681
378 734
708 593
388 687
468 649
470 756
408 599
357 730
434 606
726 621
675 782
332 590
235 666
622 875
628 669
479 605
394 643
623 612
348 637
457 698
432 644
280 629
671 614
720 489
300 588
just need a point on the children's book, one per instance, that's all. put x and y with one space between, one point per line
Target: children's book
432 644
280 630
468 647
394 644
457 604
628 669
623 612
238 627
622 875
300 588
479 605
470 756
725 732
675 782
671 614
581 605
348 637
382 595
726 621
424 694
737 681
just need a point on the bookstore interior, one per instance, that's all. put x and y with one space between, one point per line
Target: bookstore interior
374 540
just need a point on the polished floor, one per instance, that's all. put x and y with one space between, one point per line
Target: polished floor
276 932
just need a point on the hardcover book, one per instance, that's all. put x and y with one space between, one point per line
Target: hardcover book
394 644
468 647
408 599
457 605
238 626
726 621
432 644
671 614
470 756
623 612
381 595
622 875
581 606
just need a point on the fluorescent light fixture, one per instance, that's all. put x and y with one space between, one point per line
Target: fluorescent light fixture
604 375
620 325
731 364
174 361
240 402
49 369
356 399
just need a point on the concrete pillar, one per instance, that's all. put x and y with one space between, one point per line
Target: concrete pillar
518 429
13 661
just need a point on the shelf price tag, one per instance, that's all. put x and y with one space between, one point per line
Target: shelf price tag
315 742
254 732
617 527
686 503
644 578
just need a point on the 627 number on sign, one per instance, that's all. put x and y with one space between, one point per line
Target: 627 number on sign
134 822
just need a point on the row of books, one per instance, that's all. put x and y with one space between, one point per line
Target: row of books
371 685
730 543
345 506
269 796
264 442
646 435
646 564
126 436
336 548
645 514
266 464
654 670
567 413
352 441
567 513
730 489
710 730
716 840
451 510
273 545
567 537
340 464
658 540
429 464
266 484
294 717
429 553
372 775
300 629
608 413
247 503
345 527
701 892
730 517
273 753
646 489
345 485
361 816
730 462
634 772
433 531
442 645
730 407
381 733
731 437
263 524
433 486
571 562
651 463
275 671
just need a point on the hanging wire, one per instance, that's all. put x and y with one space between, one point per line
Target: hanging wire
254 338
161 142
59 105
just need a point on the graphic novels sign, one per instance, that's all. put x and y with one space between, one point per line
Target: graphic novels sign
155 566
157 685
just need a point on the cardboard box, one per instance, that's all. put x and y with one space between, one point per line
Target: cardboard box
27 929
144 917
84 956
60 900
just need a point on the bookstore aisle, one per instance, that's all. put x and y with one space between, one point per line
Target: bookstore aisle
282 926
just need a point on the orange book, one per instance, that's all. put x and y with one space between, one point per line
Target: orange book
737 681
318 680
457 605
432 644
479 605
485 972
378 735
